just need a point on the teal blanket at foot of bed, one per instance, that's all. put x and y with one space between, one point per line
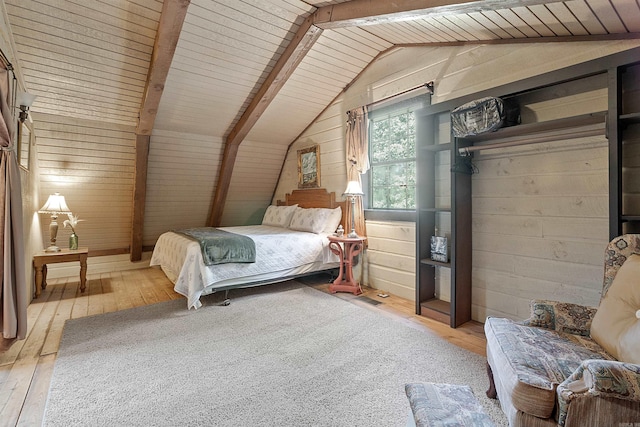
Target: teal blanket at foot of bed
220 247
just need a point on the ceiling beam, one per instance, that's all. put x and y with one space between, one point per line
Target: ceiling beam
372 12
169 27
295 52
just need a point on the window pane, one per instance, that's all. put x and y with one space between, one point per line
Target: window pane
379 199
392 152
411 174
380 130
397 175
411 145
377 152
380 175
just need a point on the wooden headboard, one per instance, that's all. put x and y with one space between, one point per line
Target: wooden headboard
315 198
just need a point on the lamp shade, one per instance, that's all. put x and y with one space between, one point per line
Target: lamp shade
26 99
353 189
55 205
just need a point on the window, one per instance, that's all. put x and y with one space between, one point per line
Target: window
392 155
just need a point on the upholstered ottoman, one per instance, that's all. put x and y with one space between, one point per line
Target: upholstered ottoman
445 405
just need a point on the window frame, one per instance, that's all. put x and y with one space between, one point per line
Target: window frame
412 102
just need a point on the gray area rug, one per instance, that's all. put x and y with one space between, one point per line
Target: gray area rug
282 355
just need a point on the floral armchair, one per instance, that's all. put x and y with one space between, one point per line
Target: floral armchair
571 365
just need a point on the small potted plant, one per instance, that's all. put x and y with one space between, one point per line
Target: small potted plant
73 223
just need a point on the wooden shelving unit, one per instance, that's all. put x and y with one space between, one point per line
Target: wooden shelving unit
621 122
431 215
624 140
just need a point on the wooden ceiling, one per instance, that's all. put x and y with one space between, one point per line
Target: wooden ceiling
91 59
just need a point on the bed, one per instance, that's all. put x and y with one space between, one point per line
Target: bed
291 242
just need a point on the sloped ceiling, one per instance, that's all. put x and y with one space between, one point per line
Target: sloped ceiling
91 59
228 78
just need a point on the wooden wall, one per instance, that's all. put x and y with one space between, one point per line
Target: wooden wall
390 262
540 212
182 174
255 176
540 225
328 132
567 247
91 163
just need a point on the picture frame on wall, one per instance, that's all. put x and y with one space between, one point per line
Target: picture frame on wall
309 167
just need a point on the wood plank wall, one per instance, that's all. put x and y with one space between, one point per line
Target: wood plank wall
183 171
90 163
540 214
540 226
255 175
457 71
327 132
390 262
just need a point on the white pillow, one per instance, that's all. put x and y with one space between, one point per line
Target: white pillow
333 221
312 220
616 324
278 216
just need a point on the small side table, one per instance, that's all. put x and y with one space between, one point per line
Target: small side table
346 248
41 259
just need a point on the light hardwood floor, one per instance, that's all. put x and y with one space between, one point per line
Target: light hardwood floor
26 366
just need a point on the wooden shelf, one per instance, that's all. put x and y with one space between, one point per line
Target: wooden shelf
631 118
539 127
437 147
445 210
428 261
436 309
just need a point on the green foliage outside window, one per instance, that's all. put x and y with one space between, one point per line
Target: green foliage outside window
392 146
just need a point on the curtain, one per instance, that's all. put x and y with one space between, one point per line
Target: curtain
13 293
357 160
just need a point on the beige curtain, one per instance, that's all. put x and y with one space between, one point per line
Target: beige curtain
13 293
357 159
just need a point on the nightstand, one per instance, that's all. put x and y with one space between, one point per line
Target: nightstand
346 248
41 259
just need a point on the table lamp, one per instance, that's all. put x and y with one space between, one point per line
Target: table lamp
55 206
353 190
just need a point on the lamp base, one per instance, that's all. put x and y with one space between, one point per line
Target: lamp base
352 235
52 248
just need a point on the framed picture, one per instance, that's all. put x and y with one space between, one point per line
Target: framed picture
439 249
309 167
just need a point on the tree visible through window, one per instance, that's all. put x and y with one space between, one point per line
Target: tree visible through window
392 155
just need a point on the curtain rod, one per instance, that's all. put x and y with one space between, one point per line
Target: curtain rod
428 85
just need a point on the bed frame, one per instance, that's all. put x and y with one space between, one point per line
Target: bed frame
315 198
308 198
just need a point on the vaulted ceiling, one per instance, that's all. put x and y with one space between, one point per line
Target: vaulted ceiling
259 70
91 59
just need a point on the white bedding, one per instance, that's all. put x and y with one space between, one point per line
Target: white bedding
280 252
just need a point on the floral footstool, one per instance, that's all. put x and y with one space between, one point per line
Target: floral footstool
440 405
